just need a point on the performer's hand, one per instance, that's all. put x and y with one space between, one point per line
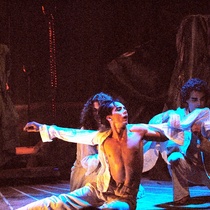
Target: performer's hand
32 127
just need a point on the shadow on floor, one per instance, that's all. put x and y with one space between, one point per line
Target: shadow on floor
199 202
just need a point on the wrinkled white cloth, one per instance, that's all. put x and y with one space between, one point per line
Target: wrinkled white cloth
176 125
49 132
90 163
85 167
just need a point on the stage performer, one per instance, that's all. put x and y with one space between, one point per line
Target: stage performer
184 162
120 154
86 166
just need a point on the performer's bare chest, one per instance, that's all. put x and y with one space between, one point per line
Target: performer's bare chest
123 149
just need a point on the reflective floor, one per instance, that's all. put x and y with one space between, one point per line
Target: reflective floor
158 194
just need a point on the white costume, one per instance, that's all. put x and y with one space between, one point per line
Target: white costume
190 167
85 167
177 130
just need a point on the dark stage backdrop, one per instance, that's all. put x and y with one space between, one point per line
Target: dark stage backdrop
125 48
91 36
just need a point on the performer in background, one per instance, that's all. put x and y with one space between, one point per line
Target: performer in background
86 166
185 162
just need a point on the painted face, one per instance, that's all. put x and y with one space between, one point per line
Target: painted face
119 115
197 100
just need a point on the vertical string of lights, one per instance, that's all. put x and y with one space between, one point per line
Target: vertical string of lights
53 70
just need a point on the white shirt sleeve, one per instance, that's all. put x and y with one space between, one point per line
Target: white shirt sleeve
48 133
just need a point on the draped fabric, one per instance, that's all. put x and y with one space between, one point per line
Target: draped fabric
136 78
193 56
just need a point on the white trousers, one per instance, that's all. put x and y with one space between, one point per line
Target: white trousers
78 199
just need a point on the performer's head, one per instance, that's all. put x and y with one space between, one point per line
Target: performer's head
113 113
89 116
194 94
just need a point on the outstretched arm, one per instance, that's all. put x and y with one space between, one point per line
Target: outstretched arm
49 132
154 135
148 133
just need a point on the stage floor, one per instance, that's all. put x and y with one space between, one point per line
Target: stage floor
158 195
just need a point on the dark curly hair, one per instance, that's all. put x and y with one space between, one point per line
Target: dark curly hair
194 84
105 110
89 117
